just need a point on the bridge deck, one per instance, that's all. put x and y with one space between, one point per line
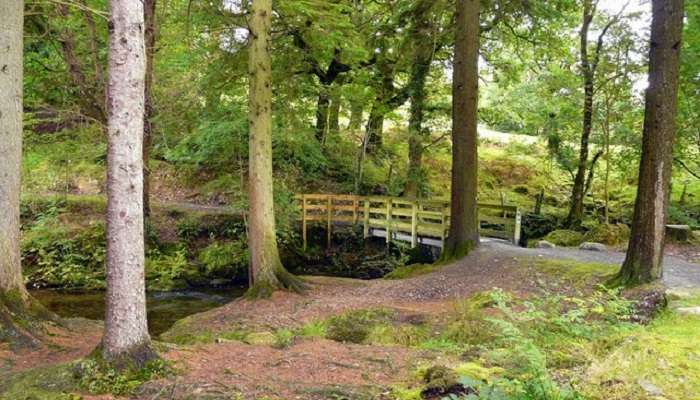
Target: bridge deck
395 218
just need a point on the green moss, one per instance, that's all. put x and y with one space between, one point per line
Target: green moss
564 237
410 271
455 251
578 272
49 383
664 355
609 234
440 379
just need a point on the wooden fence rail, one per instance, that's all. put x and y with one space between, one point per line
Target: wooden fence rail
397 218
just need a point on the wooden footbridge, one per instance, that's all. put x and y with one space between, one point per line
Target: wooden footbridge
396 218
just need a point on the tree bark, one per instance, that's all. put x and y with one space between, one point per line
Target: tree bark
149 114
577 195
356 111
322 107
21 317
126 341
91 97
644 259
422 37
267 270
464 222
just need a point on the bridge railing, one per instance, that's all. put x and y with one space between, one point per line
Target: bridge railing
397 218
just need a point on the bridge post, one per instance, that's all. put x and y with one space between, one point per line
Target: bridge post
516 228
389 206
414 225
365 222
329 229
303 219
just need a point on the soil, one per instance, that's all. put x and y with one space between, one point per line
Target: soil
318 368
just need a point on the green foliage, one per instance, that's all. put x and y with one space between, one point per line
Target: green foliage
56 257
96 377
229 260
167 271
355 326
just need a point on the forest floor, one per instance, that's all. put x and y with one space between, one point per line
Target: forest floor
269 348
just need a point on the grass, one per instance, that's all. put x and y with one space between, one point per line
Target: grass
664 355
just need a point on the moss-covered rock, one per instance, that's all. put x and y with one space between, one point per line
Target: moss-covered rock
609 234
565 237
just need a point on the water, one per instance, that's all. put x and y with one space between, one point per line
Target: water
164 308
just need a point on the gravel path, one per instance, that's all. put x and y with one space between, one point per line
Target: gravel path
678 273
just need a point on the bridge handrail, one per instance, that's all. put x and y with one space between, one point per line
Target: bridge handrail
419 217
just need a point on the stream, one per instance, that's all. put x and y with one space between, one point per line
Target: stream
164 308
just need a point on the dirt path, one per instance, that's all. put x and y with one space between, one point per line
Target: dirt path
678 272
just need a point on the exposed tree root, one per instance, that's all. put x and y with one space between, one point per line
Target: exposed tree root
455 251
281 279
23 321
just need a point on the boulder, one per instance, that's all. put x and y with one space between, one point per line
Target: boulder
592 246
679 233
543 244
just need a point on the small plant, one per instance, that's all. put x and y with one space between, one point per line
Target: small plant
355 326
96 377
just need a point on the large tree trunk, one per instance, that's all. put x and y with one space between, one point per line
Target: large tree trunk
148 128
645 252
464 221
268 273
422 35
21 317
126 340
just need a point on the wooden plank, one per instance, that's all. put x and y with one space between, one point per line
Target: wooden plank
497 220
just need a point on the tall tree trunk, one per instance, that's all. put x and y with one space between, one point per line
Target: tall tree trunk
148 127
645 252
422 35
14 299
578 191
464 221
375 126
92 100
322 107
606 133
126 340
334 110
267 269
